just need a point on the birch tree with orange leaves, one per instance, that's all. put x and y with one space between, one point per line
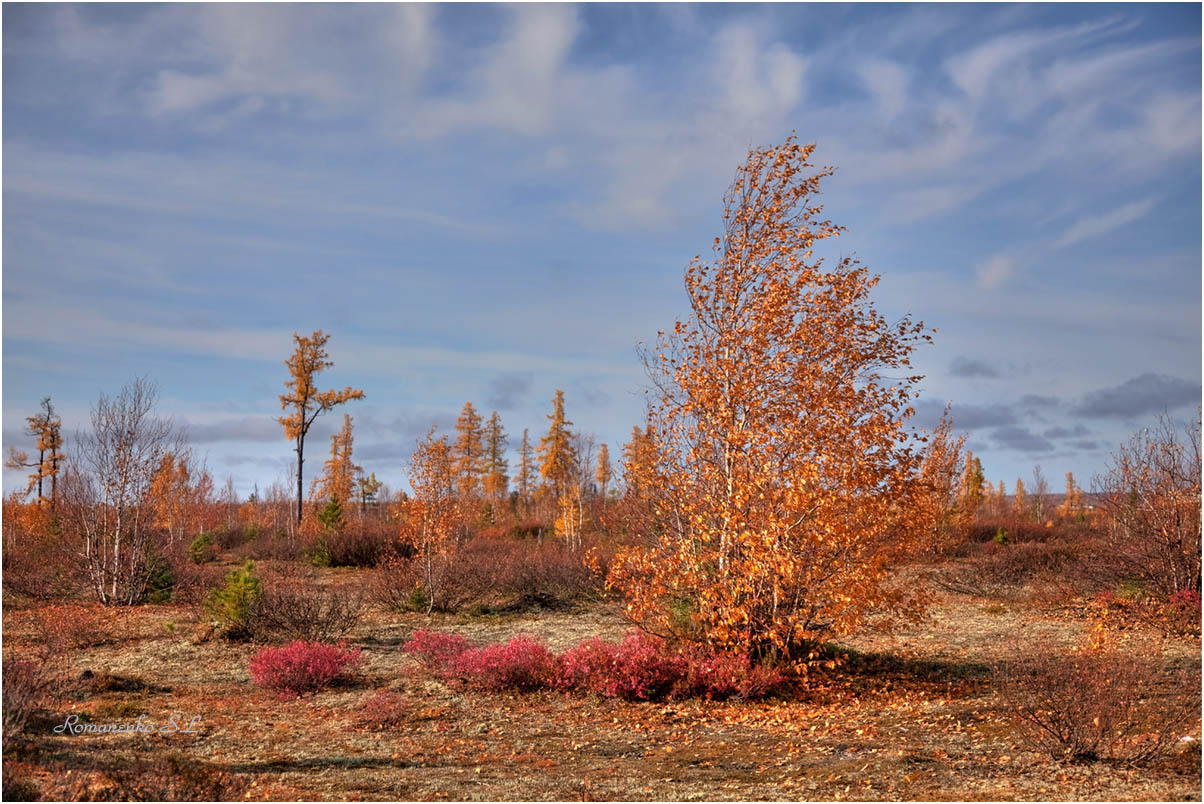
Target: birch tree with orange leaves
433 511
181 496
303 402
936 501
783 464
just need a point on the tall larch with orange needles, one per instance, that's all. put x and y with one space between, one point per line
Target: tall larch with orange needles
303 402
604 471
46 427
784 464
469 452
338 473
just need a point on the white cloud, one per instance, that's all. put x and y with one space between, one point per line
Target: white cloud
887 82
995 272
521 82
1098 225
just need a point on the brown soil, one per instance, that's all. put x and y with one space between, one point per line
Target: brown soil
918 720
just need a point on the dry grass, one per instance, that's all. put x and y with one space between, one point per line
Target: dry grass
913 716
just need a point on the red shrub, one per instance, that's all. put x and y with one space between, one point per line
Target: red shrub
644 670
586 666
522 664
722 675
1182 611
637 669
640 668
435 649
384 710
301 667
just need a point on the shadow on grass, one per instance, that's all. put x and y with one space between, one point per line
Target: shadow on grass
869 669
324 763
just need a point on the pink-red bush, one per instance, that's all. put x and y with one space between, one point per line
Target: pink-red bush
587 666
640 668
301 667
436 649
522 664
723 675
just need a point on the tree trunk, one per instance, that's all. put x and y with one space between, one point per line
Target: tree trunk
300 461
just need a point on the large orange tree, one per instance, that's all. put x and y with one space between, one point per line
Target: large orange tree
783 466
303 402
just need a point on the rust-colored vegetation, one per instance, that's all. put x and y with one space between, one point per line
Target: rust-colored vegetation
779 589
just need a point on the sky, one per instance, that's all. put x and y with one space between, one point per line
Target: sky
489 203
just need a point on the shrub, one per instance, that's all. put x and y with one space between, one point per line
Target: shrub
331 515
384 710
522 664
38 561
202 549
160 580
723 675
643 670
192 583
996 570
392 585
317 554
25 684
65 627
273 546
364 543
301 667
1150 502
226 538
294 607
435 649
234 604
640 668
507 572
1182 612
1103 705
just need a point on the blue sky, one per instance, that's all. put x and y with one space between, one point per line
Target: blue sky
488 203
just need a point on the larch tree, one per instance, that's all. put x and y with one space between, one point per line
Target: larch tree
604 473
1020 501
526 469
558 468
971 489
784 465
497 478
339 472
639 458
557 459
1072 506
303 402
469 451
46 428
367 487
